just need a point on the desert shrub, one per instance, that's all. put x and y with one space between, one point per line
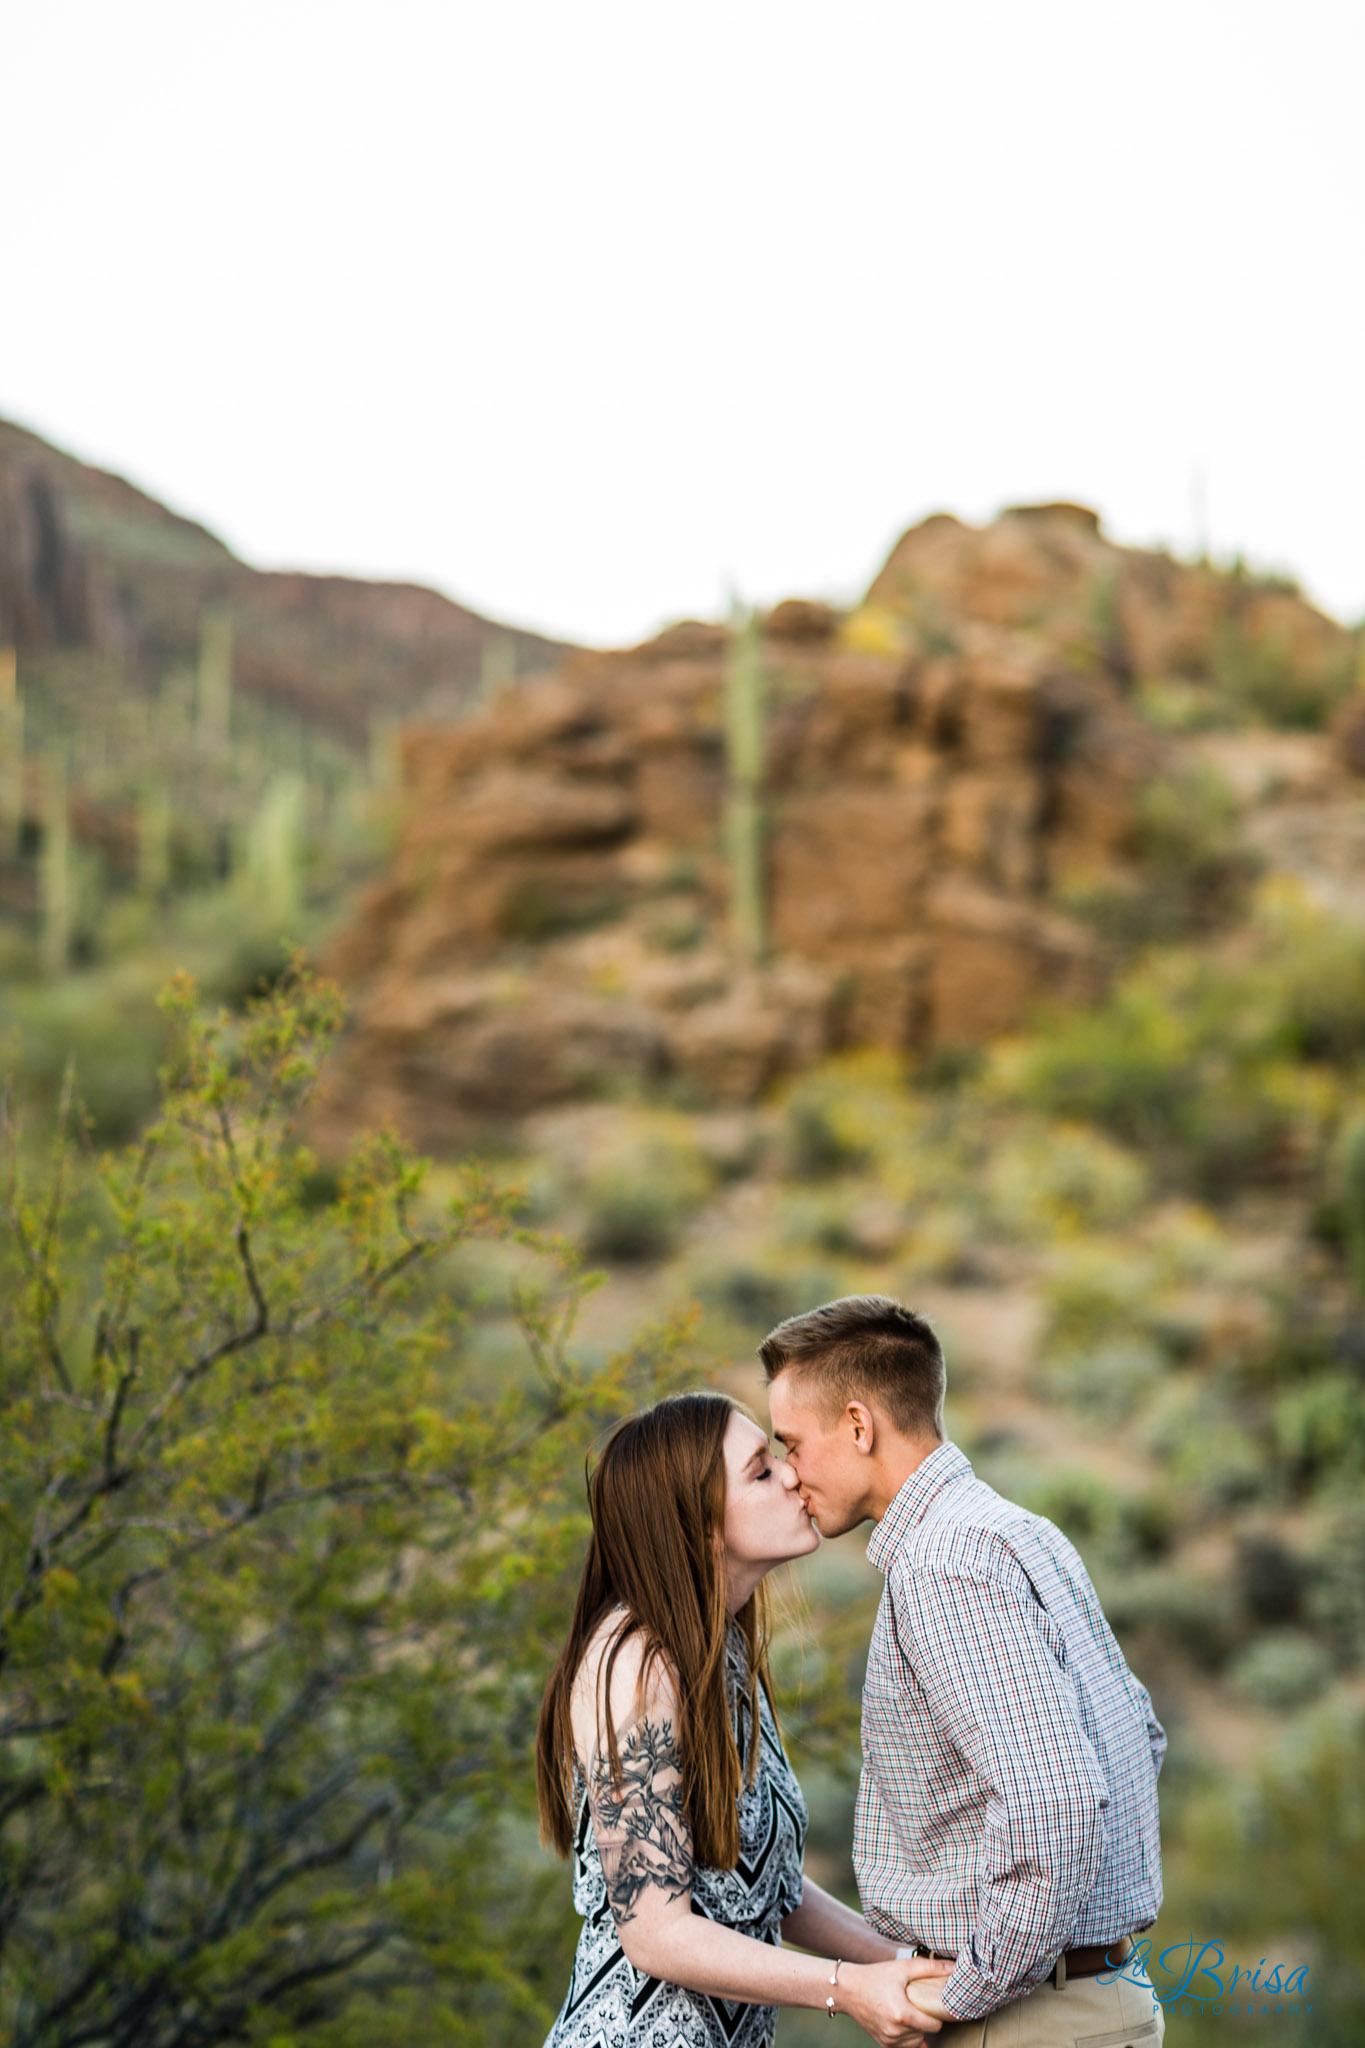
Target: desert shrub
825 1133
1280 1670
1064 1178
1315 965
1092 1291
951 1066
1258 676
757 1295
1196 861
1187 1062
1077 1500
1351 1174
946 1243
848 1221
1283 1849
1271 1579
1173 1608
102 1031
280 1580
1336 1598
1209 1449
639 1195
1148 1522
1115 1529
1107 1382
1320 1429
1102 1353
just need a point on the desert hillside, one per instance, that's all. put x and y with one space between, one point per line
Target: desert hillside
90 565
948 811
195 759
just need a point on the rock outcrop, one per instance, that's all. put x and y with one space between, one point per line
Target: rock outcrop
938 761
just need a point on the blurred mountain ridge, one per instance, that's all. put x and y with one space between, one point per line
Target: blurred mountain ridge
88 562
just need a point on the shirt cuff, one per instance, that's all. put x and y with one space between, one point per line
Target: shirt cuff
970 1996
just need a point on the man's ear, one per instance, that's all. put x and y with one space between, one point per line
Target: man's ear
858 1419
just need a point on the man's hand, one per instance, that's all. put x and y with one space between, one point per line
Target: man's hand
928 1975
878 1997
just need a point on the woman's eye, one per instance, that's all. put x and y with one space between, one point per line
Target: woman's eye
766 1473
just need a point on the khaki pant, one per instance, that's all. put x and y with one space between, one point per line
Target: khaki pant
1085 2013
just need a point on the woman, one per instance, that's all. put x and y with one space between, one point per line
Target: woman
661 1771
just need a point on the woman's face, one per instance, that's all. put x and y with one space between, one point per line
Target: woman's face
766 1521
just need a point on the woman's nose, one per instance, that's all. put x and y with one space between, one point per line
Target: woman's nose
788 1473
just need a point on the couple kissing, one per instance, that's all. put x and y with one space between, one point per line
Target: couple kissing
1005 1838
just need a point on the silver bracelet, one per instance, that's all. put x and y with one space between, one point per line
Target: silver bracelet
829 2002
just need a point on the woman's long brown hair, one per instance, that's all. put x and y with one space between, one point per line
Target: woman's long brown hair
657 1499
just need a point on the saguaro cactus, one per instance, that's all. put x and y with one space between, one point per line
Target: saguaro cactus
54 868
1353 1202
744 754
214 697
11 756
385 755
153 842
275 852
497 666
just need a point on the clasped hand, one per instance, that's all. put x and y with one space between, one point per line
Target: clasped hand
896 2003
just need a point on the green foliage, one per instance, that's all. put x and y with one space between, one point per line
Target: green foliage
1189 840
1258 678
1353 1203
640 1192
753 1294
1280 1670
826 1126
1198 1060
1194 866
279 1582
1049 1183
1164 1607
1286 1854
1336 1592
1320 1429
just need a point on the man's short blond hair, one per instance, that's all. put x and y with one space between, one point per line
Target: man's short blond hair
864 1347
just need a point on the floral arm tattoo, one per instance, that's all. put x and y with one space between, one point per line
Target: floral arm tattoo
641 1828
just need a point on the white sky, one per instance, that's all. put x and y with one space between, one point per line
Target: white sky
588 310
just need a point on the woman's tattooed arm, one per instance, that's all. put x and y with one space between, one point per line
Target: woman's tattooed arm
640 1824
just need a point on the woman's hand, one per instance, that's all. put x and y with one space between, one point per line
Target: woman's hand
884 1999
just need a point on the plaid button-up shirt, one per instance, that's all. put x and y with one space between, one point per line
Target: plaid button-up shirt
1007 1809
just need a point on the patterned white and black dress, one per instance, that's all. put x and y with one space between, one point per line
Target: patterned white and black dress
613 2005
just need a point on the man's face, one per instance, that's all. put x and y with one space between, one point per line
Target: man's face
831 1472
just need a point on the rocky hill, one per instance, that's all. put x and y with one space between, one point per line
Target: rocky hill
89 563
949 771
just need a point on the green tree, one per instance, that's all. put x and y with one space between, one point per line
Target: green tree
280 1580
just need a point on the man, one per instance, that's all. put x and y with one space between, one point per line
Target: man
1007 1813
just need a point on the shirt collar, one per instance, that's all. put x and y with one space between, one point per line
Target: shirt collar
940 1469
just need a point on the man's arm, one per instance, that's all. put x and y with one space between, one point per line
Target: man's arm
1156 1734
978 1649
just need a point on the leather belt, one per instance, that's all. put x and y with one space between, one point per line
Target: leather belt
1076 1962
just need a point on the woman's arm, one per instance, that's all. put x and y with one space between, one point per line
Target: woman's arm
829 1927
647 1861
